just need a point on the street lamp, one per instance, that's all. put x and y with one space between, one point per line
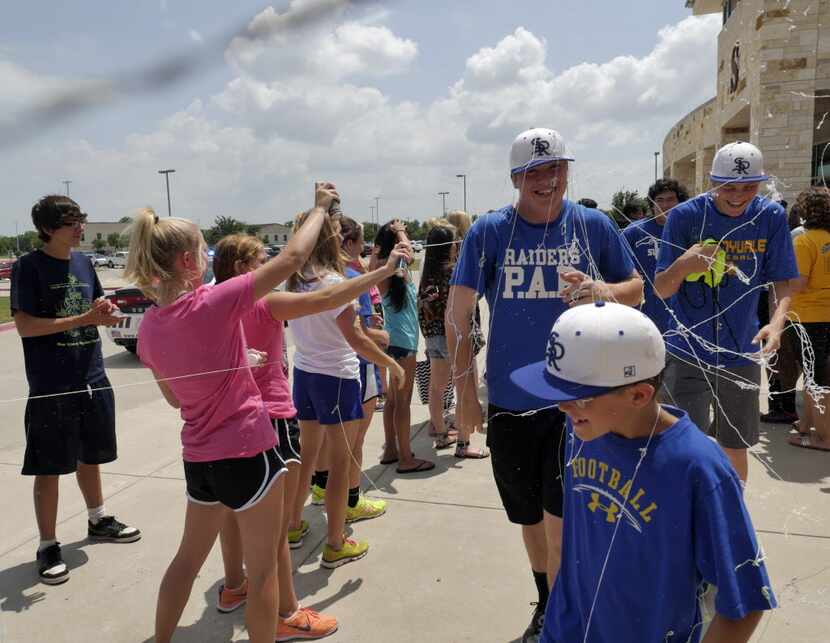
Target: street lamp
377 209
17 237
167 174
463 176
371 214
656 154
66 183
443 196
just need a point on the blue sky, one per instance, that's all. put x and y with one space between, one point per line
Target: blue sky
391 99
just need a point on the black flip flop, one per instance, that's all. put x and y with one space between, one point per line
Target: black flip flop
389 461
423 465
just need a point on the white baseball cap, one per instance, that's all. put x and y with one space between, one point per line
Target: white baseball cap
593 349
536 147
738 162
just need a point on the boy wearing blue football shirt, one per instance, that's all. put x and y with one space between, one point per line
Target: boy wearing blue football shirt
643 238
532 261
653 509
718 249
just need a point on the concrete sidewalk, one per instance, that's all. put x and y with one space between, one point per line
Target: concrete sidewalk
444 563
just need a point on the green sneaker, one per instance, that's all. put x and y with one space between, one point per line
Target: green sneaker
365 509
350 551
318 495
295 536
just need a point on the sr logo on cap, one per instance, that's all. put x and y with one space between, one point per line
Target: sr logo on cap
738 162
536 147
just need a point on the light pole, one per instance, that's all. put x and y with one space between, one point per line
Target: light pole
66 183
167 174
377 210
656 154
443 196
371 214
463 176
17 237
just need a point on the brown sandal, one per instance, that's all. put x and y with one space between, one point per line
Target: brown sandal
445 440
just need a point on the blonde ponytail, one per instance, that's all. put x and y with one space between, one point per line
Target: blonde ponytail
154 245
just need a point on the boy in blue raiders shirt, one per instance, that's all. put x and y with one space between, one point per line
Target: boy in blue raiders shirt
653 509
643 238
532 261
717 251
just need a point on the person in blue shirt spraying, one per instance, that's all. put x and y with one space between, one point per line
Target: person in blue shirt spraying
718 250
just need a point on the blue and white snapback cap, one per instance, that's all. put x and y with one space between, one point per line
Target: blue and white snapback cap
537 146
592 349
738 162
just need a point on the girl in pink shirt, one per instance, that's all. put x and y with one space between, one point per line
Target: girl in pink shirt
194 343
263 328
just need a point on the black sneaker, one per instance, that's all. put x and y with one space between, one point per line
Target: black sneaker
50 566
109 530
533 633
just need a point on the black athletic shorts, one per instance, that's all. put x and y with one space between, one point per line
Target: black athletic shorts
288 434
238 483
66 429
528 457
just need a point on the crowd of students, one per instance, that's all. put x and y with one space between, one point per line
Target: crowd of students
643 336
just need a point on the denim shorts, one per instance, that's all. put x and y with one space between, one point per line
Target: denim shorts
437 347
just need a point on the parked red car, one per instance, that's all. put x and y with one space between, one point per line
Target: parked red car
6 269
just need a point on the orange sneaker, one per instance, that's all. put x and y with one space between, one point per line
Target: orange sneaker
231 599
305 625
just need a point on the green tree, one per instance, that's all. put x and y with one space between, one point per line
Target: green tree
99 244
222 227
125 220
370 231
30 241
124 241
114 241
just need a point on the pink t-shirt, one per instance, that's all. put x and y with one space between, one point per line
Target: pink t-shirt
201 332
264 333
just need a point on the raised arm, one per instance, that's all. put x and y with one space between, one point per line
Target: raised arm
298 249
291 305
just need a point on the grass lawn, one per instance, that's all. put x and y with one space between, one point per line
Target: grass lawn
5 313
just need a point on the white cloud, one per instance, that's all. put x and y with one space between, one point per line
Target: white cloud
253 150
330 49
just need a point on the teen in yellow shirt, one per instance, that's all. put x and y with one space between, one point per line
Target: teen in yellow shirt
812 305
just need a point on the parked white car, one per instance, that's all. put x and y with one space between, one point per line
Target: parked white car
97 260
118 260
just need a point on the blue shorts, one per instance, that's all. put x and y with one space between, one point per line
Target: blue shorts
370 385
326 399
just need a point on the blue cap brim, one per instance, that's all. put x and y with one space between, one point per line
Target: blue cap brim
538 162
536 380
744 179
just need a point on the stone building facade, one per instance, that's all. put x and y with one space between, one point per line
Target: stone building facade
773 90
